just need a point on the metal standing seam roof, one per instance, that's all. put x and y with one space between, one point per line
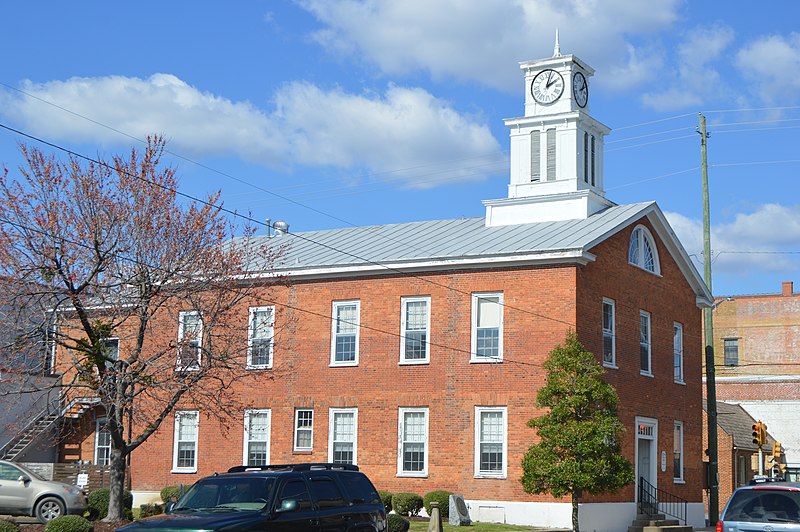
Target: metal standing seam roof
441 240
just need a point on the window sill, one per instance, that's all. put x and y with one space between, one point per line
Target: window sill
486 360
646 374
491 476
682 383
256 368
303 451
610 366
184 471
421 362
657 274
678 481
343 364
413 475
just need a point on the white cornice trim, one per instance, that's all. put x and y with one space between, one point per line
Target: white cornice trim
569 256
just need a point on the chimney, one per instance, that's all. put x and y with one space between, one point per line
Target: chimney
787 288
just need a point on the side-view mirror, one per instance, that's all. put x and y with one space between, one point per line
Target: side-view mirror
24 479
288 505
169 506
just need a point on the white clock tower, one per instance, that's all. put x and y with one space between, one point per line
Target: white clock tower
556 148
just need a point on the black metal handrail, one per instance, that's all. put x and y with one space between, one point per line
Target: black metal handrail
653 500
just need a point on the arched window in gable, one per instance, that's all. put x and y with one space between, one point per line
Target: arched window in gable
642 250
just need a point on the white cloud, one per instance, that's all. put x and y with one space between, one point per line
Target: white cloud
696 76
402 128
769 83
474 40
766 240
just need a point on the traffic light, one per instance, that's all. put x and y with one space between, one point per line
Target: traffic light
759 434
777 452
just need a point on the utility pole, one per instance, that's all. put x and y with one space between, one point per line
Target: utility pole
708 322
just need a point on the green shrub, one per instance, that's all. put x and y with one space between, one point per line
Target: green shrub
397 523
68 523
169 492
146 510
386 498
440 496
8 526
406 503
98 504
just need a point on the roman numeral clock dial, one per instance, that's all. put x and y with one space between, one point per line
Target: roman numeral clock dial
547 86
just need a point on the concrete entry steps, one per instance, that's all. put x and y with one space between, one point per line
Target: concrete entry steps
657 523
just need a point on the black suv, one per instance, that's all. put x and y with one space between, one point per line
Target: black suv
297 497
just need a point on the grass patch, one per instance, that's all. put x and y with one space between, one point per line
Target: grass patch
422 526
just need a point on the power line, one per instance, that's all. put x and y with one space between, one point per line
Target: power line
251 220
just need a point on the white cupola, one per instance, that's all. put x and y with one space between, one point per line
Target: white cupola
556 148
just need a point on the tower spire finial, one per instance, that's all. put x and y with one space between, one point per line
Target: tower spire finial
557 47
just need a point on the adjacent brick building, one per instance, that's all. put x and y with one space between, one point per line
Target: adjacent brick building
757 359
415 350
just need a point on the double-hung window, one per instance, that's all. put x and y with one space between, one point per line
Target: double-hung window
303 429
342 435
412 455
677 348
102 444
731 351
644 343
184 453
609 334
677 454
487 327
111 350
260 332
190 340
256 437
415 325
345 332
490 442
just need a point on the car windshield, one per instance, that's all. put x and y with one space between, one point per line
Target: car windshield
764 506
232 494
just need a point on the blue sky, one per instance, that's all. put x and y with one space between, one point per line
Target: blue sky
330 114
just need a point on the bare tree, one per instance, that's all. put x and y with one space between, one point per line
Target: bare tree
118 260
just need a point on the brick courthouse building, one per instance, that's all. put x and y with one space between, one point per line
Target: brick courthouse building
415 350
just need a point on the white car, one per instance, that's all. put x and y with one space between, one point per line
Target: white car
23 492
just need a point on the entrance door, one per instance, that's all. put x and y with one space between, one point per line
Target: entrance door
646 438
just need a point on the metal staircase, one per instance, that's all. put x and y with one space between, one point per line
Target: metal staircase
652 506
41 423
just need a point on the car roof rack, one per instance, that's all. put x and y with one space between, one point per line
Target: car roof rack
294 467
765 480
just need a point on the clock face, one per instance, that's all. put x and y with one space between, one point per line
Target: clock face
547 86
580 89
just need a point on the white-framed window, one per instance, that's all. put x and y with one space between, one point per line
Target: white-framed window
111 350
642 251
261 329
257 424
677 453
491 443
415 326
677 349
345 333
487 327
412 440
644 343
184 449
190 340
102 443
609 333
303 429
342 435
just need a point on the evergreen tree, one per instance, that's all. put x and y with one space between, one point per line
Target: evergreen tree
578 450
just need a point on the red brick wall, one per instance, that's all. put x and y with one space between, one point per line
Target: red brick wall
541 305
668 298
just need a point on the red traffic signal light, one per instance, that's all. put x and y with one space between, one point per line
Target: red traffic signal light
759 434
